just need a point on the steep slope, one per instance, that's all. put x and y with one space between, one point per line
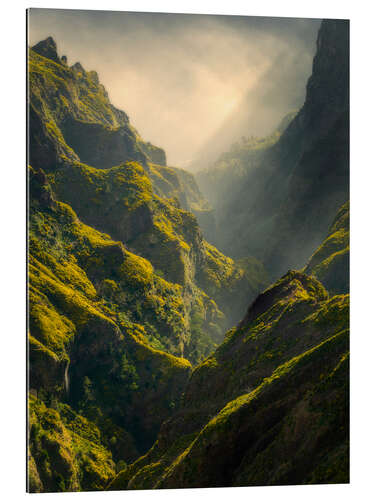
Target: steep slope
284 202
71 116
225 176
125 293
66 452
88 353
330 262
270 406
143 204
123 289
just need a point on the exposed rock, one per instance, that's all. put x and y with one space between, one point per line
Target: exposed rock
155 154
47 48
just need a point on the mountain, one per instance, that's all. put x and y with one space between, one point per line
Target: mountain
270 405
124 292
283 197
132 382
226 175
95 366
271 93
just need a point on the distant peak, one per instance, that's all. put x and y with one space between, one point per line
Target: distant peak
50 41
47 48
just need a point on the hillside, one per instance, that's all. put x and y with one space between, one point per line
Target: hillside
330 262
124 292
270 405
282 198
224 177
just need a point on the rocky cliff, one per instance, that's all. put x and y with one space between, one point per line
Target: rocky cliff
284 198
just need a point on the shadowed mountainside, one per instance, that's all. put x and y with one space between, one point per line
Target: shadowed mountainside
282 198
271 405
330 262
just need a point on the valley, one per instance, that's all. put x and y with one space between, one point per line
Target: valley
186 330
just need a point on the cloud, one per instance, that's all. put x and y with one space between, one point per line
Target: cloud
182 77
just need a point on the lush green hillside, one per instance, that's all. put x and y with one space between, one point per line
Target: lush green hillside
94 308
133 199
269 406
124 292
281 194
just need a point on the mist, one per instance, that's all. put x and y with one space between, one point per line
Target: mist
191 84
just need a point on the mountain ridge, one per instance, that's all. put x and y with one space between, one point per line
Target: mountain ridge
132 382
120 281
284 203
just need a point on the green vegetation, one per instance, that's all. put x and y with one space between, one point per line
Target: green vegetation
116 309
144 205
66 451
280 376
232 167
330 262
132 382
86 294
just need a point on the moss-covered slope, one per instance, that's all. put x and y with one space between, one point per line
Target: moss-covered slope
132 197
71 116
125 293
330 262
123 290
269 406
66 450
101 323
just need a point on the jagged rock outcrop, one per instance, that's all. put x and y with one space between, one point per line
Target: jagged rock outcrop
134 201
47 48
271 405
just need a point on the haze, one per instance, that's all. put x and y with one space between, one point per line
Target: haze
191 84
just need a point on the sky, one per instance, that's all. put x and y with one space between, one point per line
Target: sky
192 84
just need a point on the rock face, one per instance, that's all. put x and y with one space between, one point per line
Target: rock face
156 155
285 198
124 291
47 48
